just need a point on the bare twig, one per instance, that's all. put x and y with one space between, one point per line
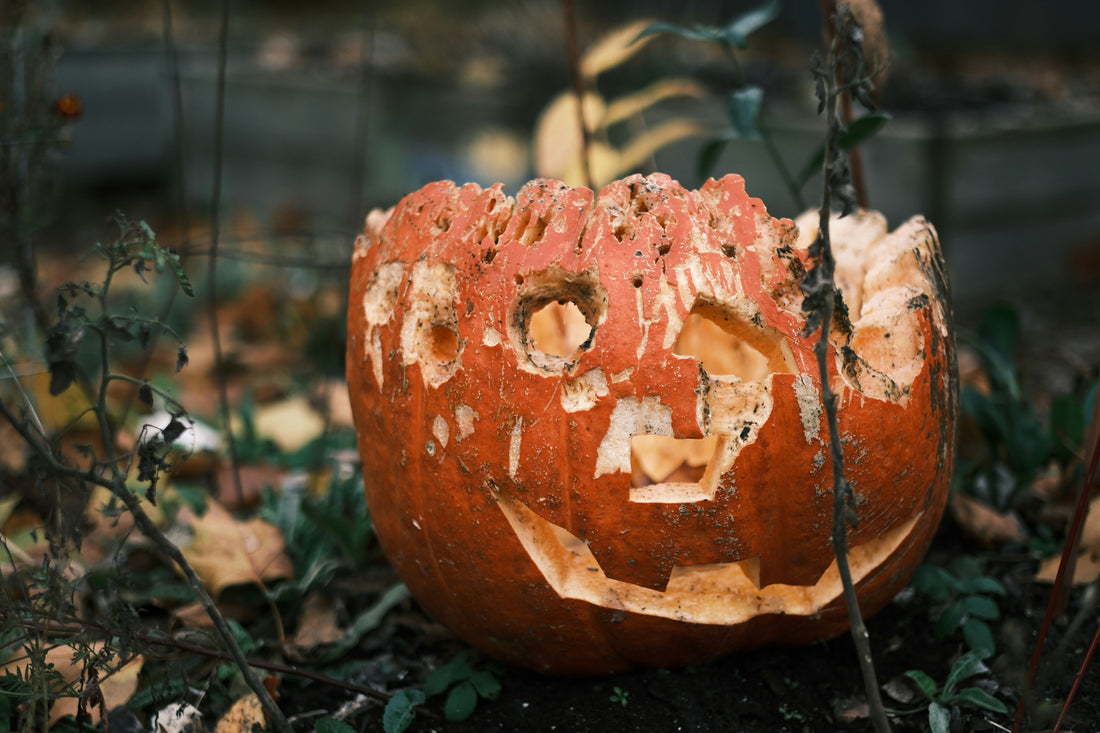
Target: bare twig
212 268
820 288
578 87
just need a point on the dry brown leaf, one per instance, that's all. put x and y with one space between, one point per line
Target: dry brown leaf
245 715
226 551
1085 570
117 688
1087 567
318 623
983 523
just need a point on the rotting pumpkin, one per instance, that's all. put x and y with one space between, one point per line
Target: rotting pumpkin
591 429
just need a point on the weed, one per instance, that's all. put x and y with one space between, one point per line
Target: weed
789 713
620 696
965 601
464 684
1020 442
746 101
81 350
941 701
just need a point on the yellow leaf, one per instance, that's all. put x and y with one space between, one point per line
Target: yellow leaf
245 715
117 688
631 104
226 551
614 48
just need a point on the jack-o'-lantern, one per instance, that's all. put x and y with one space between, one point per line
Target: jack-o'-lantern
591 427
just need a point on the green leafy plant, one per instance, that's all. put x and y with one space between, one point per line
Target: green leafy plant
745 102
1019 441
620 696
965 599
81 352
464 685
941 701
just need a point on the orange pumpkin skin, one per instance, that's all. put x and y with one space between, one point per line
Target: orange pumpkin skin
499 471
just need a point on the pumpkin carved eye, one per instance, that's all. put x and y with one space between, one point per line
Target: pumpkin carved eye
554 318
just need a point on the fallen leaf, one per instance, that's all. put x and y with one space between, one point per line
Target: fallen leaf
226 551
116 688
318 624
245 715
1085 570
290 423
983 523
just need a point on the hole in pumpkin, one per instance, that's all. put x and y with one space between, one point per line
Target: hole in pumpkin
720 352
729 343
559 329
442 343
669 470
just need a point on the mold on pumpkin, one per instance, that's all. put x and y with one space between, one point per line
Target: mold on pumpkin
629 462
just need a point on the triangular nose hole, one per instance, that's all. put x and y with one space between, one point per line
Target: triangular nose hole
721 351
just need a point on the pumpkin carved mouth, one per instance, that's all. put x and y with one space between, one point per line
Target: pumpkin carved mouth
718 593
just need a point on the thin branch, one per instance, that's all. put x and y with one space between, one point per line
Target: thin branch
212 270
573 51
820 288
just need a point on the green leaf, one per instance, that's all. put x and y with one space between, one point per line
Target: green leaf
743 109
401 709
999 327
461 702
951 618
740 28
486 684
456 670
978 636
926 684
982 584
981 607
967 665
1067 425
695 33
366 622
859 131
939 718
934 581
979 698
332 725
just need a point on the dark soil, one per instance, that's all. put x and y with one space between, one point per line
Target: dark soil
806 690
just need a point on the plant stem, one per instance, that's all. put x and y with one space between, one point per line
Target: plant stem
212 268
826 287
117 485
578 88
766 136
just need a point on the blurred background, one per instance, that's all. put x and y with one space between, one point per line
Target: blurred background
332 108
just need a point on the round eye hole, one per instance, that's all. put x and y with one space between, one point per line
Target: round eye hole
559 329
554 319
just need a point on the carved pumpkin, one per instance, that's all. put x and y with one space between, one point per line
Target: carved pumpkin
591 429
